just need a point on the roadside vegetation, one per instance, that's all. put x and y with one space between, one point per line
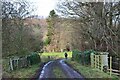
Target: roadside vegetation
89 72
58 73
28 72
83 26
19 39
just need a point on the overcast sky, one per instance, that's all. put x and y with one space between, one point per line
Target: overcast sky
43 7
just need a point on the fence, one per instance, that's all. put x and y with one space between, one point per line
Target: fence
99 61
96 61
114 66
16 62
116 62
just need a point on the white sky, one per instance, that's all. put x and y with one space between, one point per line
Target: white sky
43 7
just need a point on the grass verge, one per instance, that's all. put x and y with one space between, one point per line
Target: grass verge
28 72
89 72
22 73
58 73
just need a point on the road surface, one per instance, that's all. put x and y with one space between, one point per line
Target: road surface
47 71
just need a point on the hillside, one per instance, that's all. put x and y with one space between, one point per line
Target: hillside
64 36
39 25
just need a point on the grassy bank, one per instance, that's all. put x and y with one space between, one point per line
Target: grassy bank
89 72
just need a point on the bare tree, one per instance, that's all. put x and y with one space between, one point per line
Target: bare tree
16 36
98 23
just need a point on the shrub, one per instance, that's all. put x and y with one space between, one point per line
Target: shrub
34 58
75 55
82 57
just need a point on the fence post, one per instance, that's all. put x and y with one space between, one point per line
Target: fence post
119 64
98 61
110 65
95 61
101 64
11 64
17 63
92 60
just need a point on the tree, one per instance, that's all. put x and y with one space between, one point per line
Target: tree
17 38
51 26
98 23
52 14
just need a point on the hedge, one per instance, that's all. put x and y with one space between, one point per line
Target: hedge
82 57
